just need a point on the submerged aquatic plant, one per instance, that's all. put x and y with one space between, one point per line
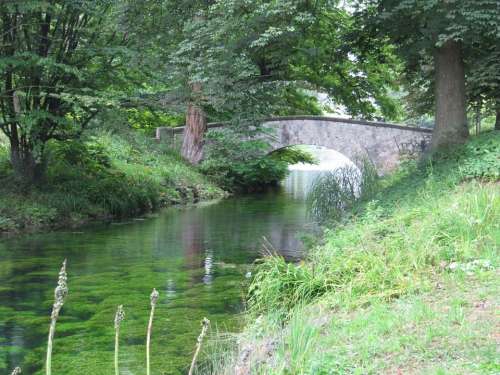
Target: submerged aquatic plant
119 316
154 299
60 294
205 323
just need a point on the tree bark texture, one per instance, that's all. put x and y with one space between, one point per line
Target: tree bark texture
25 165
451 116
194 132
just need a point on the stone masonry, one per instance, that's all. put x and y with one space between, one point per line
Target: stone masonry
382 143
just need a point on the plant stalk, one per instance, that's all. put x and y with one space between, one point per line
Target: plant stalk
154 298
205 323
119 316
60 294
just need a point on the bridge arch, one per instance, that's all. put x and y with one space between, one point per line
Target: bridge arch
382 143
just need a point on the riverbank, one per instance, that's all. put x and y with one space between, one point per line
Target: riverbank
108 176
407 284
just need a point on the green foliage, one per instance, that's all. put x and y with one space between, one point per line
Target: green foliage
245 175
245 166
435 332
148 120
335 193
481 157
477 159
357 69
418 28
260 58
422 219
61 63
102 176
293 155
90 155
279 286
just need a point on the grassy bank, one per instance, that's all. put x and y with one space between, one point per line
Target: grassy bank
105 176
407 284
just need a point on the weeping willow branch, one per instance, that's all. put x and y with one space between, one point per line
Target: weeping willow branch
205 323
60 294
119 316
154 299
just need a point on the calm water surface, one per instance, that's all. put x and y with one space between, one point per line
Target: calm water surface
196 257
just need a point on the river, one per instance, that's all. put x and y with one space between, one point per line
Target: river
197 257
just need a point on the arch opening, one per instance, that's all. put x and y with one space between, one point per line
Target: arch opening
301 176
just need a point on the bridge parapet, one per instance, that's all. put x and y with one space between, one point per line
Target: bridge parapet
383 143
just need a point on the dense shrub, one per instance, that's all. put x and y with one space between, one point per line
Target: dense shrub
246 166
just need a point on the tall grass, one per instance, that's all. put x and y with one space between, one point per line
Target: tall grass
379 258
431 224
334 193
423 217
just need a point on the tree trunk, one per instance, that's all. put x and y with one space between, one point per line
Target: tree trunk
451 116
26 167
194 132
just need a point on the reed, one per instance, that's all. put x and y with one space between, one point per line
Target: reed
119 316
205 323
335 193
154 299
60 294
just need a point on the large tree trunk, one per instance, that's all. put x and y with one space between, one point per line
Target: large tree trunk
194 132
451 113
29 169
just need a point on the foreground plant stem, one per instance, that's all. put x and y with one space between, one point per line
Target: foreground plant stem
205 323
119 316
154 299
60 294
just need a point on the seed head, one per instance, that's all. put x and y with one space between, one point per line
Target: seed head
154 297
119 316
60 292
204 327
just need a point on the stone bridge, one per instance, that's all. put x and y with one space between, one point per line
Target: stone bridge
383 143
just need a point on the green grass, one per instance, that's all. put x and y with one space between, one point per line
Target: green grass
393 287
450 330
106 176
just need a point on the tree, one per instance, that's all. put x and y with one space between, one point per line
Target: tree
218 65
249 60
444 31
61 61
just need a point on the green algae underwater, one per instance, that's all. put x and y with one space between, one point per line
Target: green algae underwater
197 257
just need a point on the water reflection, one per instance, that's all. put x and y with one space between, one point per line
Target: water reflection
197 257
